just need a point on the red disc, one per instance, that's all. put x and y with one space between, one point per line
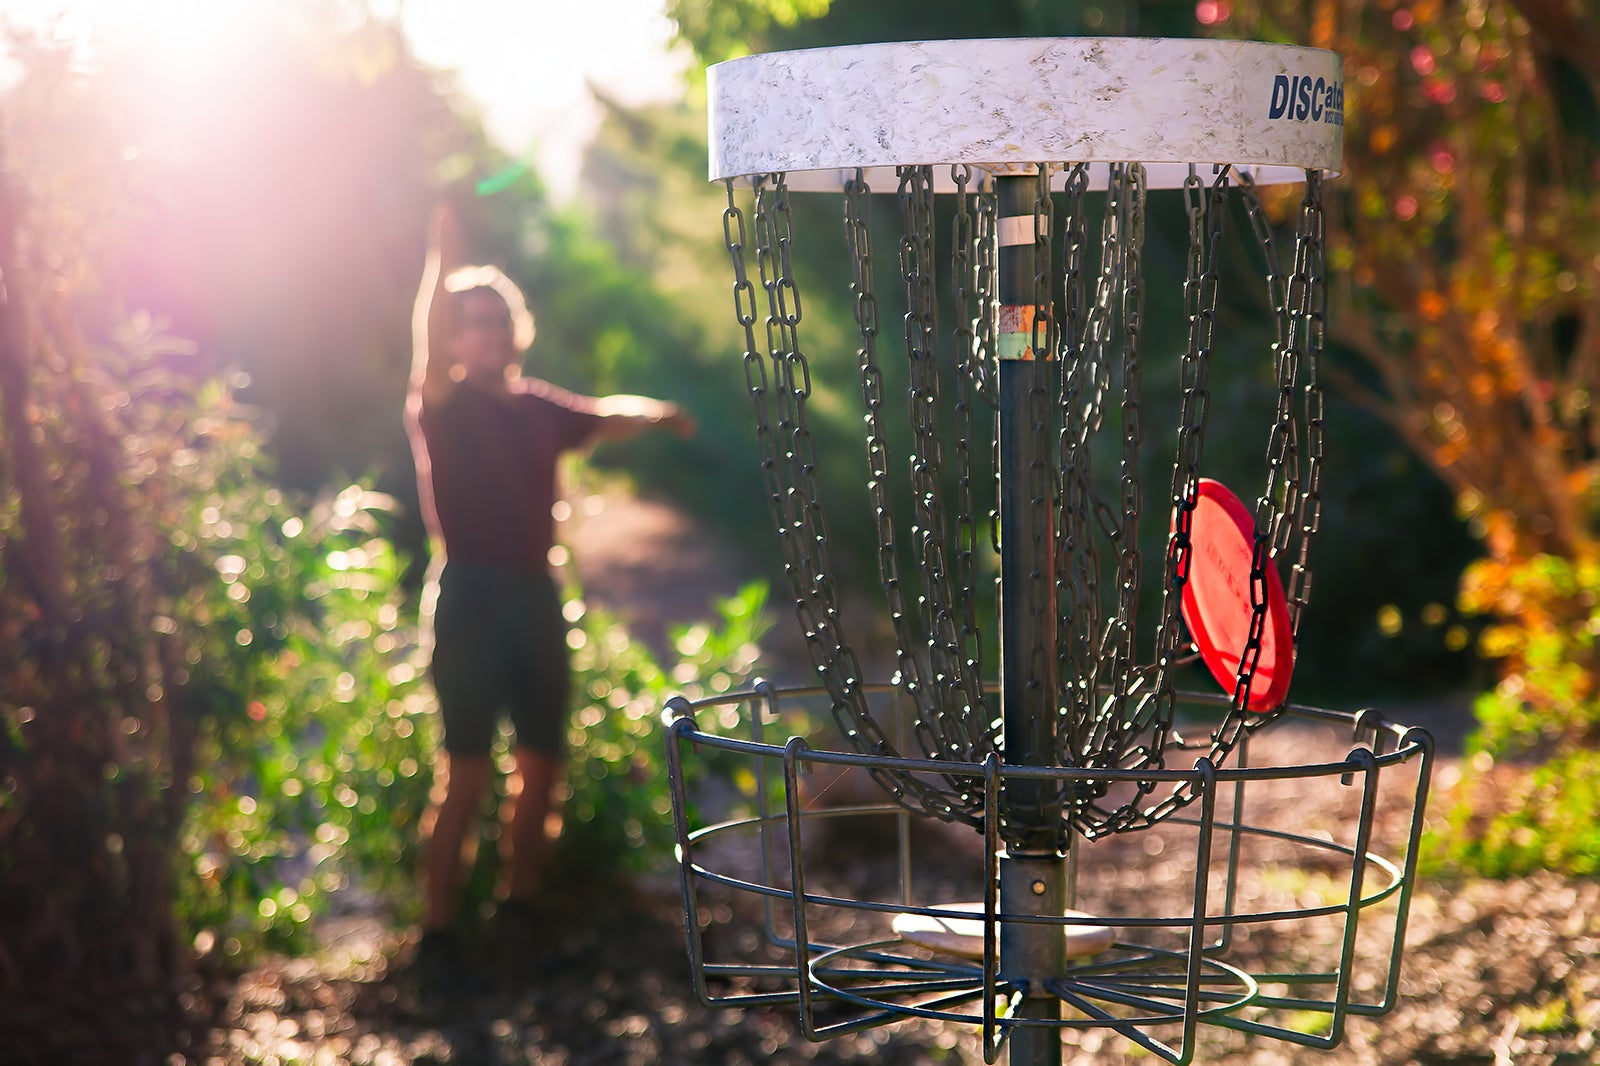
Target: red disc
1216 599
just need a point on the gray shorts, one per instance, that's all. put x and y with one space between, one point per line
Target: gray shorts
500 648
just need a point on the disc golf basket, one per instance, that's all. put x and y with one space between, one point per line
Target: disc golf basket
1053 588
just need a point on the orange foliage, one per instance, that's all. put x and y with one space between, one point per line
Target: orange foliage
1468 217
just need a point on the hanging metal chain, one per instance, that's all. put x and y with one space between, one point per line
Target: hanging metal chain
1308 339
1300 324
1291 507
1111 710
966 257
939 730
858 241
1107 321
1284 512
985 356
1124 670
958 693
974 249
788 464
919 326
1077 562
1199 300
1281 447
1207 227
1043 489
797 507
1261 226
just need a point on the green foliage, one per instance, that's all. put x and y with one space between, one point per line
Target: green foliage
1530 799
725 29
315 748
311 727
1549 617
718 30
227 707
1511 821
615 803
315 742
1469 227
619 810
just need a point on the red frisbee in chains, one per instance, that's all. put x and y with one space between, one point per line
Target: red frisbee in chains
1216 604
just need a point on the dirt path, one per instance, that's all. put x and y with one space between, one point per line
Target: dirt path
650 563
657 567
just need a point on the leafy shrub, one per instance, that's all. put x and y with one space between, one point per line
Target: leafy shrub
1530 796
315 743
619 806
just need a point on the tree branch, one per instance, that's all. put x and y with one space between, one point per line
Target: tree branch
1567 31
41 556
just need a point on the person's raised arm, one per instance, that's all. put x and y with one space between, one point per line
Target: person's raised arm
433 317
628 416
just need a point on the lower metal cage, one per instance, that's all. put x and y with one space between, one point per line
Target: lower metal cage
1254 909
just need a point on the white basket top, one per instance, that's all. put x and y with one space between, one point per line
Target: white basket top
1003 106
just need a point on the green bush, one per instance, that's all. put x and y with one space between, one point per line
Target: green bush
1529 798
1536 818
315 746
619 807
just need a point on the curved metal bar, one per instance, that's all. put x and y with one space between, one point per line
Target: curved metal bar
1395 876
1404 751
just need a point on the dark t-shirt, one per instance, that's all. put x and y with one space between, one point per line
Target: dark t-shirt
486 468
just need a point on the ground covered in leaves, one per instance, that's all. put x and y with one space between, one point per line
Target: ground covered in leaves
1494 971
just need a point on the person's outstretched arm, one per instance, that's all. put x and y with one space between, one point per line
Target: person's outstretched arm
629 416
433 317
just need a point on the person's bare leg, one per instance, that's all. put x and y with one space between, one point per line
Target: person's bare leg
528 837
466 777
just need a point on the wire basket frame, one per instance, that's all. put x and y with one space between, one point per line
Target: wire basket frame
1177 967
1022 175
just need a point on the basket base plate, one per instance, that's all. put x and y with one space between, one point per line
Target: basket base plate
963 937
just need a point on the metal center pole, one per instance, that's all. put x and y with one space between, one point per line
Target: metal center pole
1033 870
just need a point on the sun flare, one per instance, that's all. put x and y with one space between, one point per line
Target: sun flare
177 37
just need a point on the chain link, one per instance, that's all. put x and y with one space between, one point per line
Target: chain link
971 367
1207 215
789 456
1128 559
1307 340
1086 655
985 356
959 699
1077 561
858 240
1207 228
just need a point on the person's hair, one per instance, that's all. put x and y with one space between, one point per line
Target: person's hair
467 279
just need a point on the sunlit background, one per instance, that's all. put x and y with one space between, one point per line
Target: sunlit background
528 64
279 159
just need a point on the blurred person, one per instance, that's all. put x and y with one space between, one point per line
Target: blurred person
486 442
